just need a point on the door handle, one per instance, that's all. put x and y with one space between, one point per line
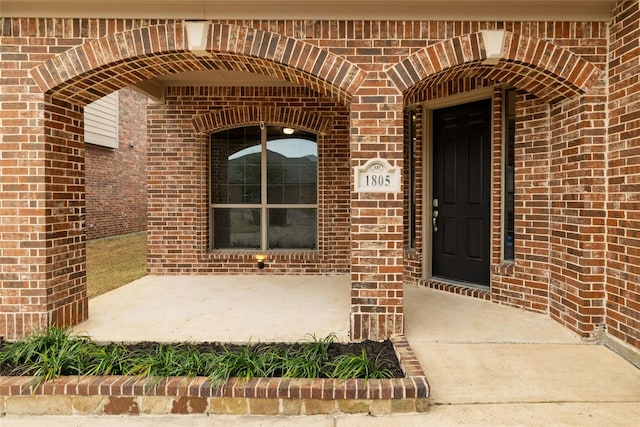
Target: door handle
433 219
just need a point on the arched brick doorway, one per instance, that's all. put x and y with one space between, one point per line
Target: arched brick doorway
89 71
555 91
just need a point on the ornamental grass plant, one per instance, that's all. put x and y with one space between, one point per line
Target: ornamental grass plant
56 352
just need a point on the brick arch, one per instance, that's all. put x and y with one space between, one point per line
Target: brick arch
546 70
98 67
231 117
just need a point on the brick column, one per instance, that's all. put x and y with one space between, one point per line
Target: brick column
577 217
22 221
376 218
42 241
64 176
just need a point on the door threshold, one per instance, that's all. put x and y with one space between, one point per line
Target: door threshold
459 287
461 283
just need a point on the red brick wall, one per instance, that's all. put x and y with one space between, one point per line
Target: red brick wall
578 144
623 206
524 282
116 179
178 163
577 185
65 282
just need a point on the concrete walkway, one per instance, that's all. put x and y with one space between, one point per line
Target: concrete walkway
487 364
494 365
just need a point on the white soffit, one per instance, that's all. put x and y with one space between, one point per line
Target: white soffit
491 10
154 88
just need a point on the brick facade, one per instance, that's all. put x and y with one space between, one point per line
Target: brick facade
116 179
576 126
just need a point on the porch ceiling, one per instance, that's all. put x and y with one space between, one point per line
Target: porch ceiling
545 10
154 88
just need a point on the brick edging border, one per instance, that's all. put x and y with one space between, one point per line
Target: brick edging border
117 395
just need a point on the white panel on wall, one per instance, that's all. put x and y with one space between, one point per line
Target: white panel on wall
101 121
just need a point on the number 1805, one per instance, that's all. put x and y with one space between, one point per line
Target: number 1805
378 180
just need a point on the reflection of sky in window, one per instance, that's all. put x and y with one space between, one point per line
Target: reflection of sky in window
292 148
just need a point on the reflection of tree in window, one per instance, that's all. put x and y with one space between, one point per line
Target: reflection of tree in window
283 210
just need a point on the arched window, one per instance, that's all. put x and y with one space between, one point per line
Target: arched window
264 188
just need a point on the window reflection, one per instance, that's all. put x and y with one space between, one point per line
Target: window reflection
509 168
236 166
292 165
292 228
281 211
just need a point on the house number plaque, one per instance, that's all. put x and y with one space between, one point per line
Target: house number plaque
377 176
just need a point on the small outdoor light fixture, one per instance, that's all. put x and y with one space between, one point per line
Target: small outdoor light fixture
260 258
288 131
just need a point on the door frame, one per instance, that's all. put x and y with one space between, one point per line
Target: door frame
427 190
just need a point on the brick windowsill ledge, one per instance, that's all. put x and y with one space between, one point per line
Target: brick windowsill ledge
118 395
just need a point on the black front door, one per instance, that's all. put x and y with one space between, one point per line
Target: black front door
461 192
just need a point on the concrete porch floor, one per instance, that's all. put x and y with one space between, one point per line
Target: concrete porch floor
229 309
487 364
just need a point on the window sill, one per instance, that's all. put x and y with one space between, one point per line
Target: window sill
272 254
505 268
411 253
